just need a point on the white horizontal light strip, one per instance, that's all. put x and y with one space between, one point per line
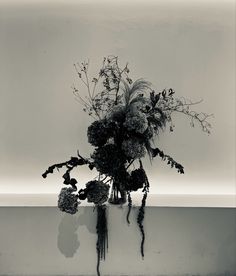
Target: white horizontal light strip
154 200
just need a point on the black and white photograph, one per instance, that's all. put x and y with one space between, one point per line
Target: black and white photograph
117 138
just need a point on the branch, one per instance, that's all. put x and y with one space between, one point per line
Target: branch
170 160
70 165
182 105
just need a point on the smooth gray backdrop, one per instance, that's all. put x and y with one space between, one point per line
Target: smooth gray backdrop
186 45
179 242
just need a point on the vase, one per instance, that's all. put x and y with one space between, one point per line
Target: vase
118 195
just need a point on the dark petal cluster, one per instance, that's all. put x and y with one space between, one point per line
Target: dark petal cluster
82 194
133 148
136 121
108 159
99 132
137 180
67 201
117 113
97 192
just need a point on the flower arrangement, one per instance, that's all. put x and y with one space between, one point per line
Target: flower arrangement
128 116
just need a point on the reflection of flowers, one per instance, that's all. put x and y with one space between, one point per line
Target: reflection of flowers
67 239
136 122
133 148
97 192
68 202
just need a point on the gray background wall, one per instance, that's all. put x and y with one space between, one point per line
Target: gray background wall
186 45
179 241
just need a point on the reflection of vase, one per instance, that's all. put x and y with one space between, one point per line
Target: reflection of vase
118 196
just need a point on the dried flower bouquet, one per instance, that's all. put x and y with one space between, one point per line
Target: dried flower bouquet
128 116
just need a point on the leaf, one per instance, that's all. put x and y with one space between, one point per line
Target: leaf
171 92
157 97
163 93
152 97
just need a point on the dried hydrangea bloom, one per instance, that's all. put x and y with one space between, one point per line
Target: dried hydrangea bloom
108 159
136 121
133 148
137 179
97 192
99 132
67 201
117 113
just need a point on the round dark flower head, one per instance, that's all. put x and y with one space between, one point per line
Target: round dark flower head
97 192
133 148
117 114
137 179
99 132
108 159
68 202
136 121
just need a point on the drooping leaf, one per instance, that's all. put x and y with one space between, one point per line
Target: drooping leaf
170 160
